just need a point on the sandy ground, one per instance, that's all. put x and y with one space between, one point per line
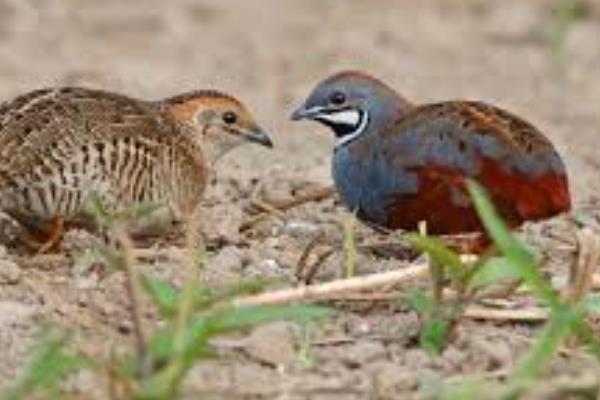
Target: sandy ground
270 53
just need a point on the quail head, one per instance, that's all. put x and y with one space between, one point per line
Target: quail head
396 163
222 121
59 147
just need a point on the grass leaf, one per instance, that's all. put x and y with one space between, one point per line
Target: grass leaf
164 294
561 325
244 317
420 301
350 246
439 253
49 365
434 336
515 252
197 334
494 270
592 303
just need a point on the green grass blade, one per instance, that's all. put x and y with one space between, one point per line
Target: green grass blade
562 324
49 365
350 246
513 250
244 317
592 303
439 253
434 336
494 270
420 301
164 295
197 335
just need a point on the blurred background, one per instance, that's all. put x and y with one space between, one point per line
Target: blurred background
540 59
537 58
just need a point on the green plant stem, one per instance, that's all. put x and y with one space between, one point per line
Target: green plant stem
134 292
350 246
177 369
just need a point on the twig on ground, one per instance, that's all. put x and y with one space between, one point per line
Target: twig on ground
349 290
581 272
278 207
314 195
301 264
249 223
530 314
267 208
312 269
325 290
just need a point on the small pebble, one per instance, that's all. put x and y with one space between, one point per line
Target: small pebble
272 344
300 229
10 272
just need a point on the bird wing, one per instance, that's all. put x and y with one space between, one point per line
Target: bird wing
56 123
82 141
443 143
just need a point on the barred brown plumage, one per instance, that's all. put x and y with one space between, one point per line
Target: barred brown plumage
60 146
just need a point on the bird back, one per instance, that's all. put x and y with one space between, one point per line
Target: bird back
58 146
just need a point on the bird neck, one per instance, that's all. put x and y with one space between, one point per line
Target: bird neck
388 107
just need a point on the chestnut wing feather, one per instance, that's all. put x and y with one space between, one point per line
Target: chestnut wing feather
441 144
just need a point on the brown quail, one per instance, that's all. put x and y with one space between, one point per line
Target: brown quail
59 147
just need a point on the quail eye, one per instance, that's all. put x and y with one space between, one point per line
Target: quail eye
230 117
337 98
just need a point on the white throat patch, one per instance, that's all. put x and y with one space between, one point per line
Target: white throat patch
361 119
344 117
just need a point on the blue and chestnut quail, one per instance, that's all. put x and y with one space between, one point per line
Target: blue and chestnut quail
396 163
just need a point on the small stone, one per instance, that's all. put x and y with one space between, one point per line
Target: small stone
224 267
498 351
362 353
222 223
430 380
300 229
266 268
87 282
10 272
272 344
13 313
390 378
256 381
125 327
81 382
453 358
228 258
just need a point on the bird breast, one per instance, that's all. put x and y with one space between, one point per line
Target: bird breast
367 182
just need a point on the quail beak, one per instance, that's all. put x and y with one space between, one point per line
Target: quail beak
257 135
306 113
